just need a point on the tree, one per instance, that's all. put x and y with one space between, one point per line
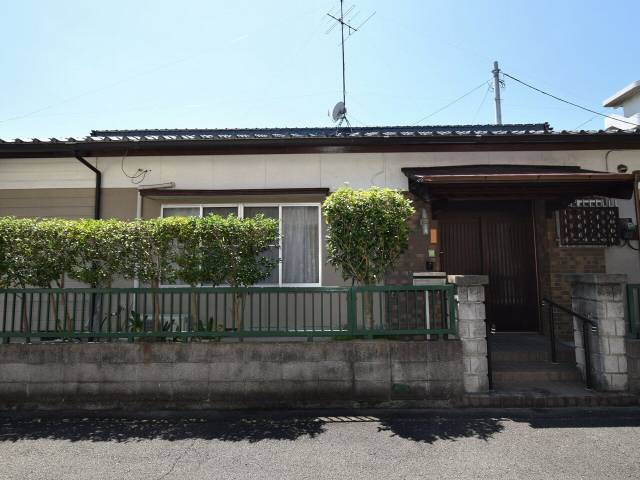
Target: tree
236 256
215 250
243 244
148 250
36 253
367 232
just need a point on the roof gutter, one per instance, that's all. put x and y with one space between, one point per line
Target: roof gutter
98 188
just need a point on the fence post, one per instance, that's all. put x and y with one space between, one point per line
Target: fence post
472 330
351 310
600 297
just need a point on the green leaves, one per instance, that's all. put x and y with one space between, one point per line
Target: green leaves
34 252
210 250
367 231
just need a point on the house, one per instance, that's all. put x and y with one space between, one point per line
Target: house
521 203
629 100
494 198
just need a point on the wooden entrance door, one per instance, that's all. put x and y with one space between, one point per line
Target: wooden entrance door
494 239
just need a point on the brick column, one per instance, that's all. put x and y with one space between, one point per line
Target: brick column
472 330
600 297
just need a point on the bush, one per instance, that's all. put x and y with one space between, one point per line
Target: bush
367 231
211 250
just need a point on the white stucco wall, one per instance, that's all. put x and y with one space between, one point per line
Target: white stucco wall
281 171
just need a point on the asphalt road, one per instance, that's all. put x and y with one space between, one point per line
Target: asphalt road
454 444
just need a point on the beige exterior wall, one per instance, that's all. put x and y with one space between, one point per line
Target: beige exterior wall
47 202
330 170
67 202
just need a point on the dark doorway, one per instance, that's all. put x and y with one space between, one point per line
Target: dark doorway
494 239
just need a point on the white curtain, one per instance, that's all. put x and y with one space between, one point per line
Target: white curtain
300 245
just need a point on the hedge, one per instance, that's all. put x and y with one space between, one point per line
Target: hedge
211 250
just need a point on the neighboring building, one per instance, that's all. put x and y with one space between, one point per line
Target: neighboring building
629 100
490 199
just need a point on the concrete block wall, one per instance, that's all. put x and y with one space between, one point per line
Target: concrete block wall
230 375
472 330
600 297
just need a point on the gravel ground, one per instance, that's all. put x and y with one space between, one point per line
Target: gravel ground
455 444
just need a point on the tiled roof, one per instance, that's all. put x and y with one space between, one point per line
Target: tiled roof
205 141
294 133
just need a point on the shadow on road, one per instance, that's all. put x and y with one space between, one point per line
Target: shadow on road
427 427
431 429
171 429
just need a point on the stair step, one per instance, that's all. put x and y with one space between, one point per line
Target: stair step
524 399
533 372
530 356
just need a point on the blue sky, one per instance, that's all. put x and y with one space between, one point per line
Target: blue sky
72 66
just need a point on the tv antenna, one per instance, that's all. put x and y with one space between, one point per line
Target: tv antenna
345 19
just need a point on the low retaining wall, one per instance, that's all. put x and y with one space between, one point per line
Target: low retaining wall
231 375
633 364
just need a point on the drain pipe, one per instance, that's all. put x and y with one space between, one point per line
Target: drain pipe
98 193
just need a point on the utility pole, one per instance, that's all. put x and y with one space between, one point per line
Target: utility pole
496 87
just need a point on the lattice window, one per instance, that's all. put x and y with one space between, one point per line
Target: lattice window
589 222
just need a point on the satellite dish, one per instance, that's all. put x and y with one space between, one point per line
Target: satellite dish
339 112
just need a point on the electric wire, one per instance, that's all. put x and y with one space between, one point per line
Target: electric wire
484 99
452 103
138 177
567 101
584 123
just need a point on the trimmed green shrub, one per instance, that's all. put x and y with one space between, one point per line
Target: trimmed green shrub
367 231
211 250
100 251
15 252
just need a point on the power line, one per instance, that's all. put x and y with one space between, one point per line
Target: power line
585 122
452 103
567 101
484 99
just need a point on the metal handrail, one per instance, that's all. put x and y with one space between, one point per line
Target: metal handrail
569 311
585 336
633 309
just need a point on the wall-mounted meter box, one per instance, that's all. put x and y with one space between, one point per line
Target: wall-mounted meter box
627 229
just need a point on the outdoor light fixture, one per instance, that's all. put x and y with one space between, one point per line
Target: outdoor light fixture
424 221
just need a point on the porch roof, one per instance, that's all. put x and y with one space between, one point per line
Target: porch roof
564 184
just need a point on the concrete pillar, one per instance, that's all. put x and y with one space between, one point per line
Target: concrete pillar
472 330
600 297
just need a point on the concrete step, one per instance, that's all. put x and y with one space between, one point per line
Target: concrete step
563 355
537 399
533 372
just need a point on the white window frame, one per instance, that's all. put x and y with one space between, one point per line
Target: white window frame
241 206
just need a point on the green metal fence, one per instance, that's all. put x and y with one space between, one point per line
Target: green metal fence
633 309
180 313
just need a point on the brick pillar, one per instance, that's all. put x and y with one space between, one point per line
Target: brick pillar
600 297
472 330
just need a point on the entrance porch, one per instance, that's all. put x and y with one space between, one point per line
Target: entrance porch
506 222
